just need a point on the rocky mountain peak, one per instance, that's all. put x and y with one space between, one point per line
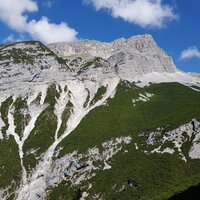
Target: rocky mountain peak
140 43
130 57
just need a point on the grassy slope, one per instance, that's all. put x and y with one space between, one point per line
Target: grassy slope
171 104
8 152
10 167
160 175
42 136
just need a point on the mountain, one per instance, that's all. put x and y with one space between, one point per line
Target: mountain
140 52
92 120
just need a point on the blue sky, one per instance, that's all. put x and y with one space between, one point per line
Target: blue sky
173 23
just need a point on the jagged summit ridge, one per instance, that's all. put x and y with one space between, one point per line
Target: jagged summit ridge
137 44
137 55
137 59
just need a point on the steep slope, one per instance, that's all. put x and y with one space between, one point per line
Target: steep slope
134 59
160 173
73 126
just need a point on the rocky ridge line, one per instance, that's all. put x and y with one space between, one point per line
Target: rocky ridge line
137 55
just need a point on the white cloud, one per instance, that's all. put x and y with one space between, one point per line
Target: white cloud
12 38
14 14
49 32
191 52
145 13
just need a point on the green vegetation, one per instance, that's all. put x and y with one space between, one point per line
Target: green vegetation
52 95
37 100
87 99
21 119
41 137
43 134
9 153
10 167
28 55
75 62
96 62
101 91
65 116
4 113
160 175
17 55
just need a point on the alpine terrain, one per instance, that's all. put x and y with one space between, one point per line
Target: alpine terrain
90 120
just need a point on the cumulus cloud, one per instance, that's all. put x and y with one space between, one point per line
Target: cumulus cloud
145 13
14 14
191 52
49 32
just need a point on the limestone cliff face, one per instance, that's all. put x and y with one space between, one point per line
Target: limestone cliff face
137 55
137 59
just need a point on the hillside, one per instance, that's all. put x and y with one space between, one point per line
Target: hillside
91 120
